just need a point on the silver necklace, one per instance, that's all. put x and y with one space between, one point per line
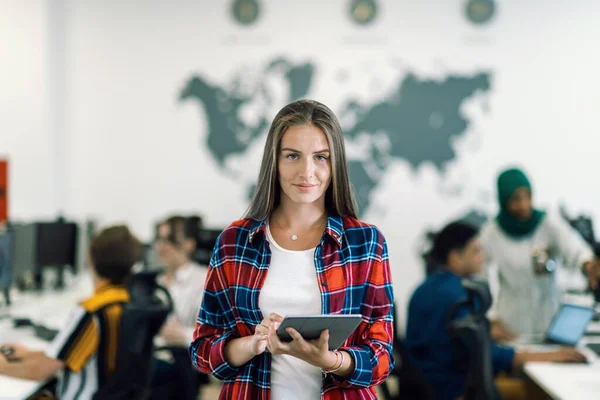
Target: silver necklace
294 237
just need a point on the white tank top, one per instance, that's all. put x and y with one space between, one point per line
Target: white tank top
291 288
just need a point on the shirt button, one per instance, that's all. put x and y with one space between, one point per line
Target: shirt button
325 284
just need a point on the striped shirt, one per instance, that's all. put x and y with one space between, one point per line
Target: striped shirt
354 277
88 344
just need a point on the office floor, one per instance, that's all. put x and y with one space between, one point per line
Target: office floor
211 391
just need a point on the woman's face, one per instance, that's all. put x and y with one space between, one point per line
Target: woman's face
171 254
303 164
520 204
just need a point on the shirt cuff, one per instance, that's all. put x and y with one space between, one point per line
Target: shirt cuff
502 357
363 372
219 366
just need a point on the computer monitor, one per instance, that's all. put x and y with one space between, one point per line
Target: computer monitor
6 249
23 258
150 258
205 243
56 246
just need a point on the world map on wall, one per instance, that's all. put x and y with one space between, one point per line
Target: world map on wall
416 122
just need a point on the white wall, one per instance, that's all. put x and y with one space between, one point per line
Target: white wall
24 137
134 153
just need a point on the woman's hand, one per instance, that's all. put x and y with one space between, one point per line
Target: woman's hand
261 333
592 271
315 352
500 332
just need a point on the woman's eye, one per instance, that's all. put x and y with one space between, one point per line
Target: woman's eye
321 158
292 156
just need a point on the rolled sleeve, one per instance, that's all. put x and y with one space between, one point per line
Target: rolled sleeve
372 350
213 331
363 369
219 366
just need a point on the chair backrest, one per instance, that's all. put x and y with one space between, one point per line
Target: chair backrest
411 382
141 320
472 331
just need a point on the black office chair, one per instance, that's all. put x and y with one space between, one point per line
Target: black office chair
141 320
412 384
188 382
473 333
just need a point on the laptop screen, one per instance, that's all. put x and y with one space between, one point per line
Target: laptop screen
569 324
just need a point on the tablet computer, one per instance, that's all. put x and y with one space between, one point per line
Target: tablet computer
311 326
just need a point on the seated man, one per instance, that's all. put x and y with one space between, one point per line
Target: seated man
459 254
85 350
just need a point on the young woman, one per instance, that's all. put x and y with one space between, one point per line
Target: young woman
299 250
519 242
175 246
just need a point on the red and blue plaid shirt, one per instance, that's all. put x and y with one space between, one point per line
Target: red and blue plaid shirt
354 278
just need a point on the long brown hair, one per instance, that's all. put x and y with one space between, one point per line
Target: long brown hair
339 197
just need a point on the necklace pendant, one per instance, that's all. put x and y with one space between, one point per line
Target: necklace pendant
294 237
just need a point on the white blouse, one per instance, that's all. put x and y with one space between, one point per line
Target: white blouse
522 299
291 288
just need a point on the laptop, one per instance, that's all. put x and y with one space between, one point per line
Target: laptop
568 325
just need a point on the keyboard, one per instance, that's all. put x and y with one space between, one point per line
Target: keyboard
595 347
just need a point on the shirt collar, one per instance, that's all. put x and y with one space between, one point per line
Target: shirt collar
334 229
104 285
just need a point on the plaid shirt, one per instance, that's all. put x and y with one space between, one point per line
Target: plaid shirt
354 278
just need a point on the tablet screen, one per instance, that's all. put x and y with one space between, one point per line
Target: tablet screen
310 327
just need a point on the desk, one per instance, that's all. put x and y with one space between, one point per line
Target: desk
49 308
570 381
566 382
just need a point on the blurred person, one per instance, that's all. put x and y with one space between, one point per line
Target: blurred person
175 245
299 250
458 250
184 278
84 352
524 245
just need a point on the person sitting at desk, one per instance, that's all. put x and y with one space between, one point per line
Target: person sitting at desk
457 249
522 244
86 348
184 279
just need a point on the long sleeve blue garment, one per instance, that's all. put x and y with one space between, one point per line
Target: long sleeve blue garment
429 344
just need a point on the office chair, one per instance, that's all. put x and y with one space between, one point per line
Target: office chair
585 227
188 382
412 384
141 320
473 333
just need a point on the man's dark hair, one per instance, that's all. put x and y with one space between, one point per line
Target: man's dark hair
114 251
454 236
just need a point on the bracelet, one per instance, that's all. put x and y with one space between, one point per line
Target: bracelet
335 367
326 370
